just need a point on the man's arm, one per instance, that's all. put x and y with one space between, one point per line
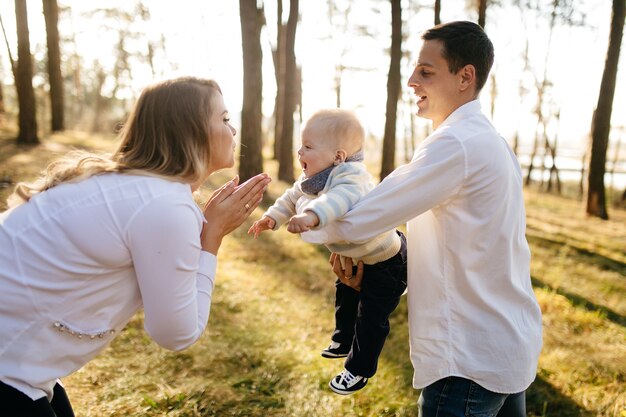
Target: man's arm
435 174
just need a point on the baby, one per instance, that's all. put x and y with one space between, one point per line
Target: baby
333 179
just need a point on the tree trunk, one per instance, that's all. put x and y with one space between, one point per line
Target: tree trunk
393 90
2 109
601 123
285 160
554 171
24 79
338 82
6 42
251 151
542 93
482 13
340 67
278 56
437 12
614 162
55 78
100 101
531 162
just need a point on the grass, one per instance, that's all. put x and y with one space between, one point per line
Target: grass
273 311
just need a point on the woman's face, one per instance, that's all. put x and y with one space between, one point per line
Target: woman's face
222 139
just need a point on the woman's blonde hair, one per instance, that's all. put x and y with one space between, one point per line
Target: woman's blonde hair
166 134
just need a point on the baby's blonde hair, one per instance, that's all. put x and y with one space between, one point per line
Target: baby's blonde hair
167 134
339 125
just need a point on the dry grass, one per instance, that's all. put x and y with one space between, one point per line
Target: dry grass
272 313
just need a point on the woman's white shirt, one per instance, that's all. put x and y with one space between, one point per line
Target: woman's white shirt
77 262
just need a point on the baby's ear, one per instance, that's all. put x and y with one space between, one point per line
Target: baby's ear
340 156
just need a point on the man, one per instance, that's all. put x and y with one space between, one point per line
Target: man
474 321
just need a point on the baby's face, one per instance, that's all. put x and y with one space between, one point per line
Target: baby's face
316 152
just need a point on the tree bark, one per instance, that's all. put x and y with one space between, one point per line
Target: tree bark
482 13
24 79
55 77
393 90
554 170
100 102
601 122
2 109
285 160
437 12
251 151
278 56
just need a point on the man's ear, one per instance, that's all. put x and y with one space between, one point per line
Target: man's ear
467 77
340 156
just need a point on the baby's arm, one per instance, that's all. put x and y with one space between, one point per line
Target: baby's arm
264 223
278 214
303 222
347 186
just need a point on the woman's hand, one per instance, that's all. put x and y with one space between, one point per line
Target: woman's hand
228 207
345 275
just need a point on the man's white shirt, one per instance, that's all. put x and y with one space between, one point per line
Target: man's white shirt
472 309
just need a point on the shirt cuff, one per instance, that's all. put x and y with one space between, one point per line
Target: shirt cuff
207 264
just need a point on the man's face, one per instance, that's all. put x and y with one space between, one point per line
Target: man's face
436 88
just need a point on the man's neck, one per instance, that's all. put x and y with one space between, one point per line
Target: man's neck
462 100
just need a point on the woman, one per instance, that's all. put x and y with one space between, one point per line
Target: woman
96 238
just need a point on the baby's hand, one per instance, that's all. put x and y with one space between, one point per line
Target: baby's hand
264 223
303 222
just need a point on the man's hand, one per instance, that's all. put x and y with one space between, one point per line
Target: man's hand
345 275
264 223
303 222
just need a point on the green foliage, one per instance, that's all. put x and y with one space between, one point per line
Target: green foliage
272 313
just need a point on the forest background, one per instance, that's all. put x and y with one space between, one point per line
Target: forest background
553 59
556 63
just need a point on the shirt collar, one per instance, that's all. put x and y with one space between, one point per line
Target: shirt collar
462 112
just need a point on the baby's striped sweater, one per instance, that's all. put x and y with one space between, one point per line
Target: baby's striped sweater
346 184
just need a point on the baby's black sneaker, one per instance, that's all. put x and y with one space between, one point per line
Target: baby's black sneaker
336 350
345 383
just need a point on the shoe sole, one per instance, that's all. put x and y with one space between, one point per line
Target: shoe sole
334 355
343 392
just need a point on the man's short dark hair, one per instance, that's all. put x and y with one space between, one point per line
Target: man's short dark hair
464 43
